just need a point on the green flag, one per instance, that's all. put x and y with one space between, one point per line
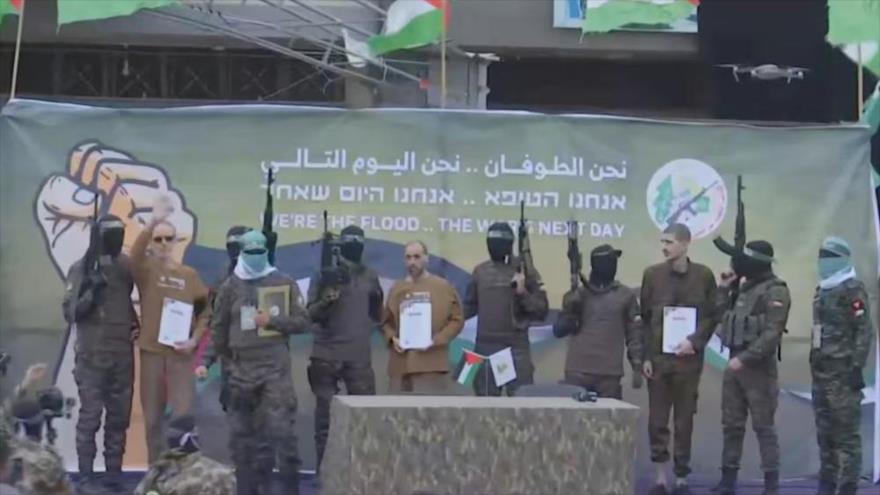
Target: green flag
852 23
601 17
10 7
89 10
872 111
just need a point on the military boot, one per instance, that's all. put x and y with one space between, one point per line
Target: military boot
113 477
827 487
727 485
848 488
771 483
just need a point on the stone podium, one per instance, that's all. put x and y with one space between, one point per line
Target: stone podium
422 445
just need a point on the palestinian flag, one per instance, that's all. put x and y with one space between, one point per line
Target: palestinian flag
411 24
12 7
470 365
90 10
601 16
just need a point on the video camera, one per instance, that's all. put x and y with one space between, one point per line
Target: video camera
31 414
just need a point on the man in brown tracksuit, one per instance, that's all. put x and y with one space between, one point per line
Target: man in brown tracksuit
422 371
165 372
600 318
674 378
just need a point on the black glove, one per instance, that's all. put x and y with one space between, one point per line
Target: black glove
856 380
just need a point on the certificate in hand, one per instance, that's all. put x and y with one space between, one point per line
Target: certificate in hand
176 321
415 321
273 301
679 323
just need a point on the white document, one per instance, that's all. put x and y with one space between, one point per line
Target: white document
679 323
176 321
415 321
248 313
502 367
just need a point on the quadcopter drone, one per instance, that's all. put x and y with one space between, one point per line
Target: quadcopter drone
767 72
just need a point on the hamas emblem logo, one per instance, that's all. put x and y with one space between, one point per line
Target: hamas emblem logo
687 191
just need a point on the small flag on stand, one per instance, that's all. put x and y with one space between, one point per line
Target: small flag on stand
470 364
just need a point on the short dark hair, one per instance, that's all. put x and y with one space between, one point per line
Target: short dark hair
680 231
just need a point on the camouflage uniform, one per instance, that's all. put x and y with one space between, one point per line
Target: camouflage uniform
841 346
180 473
503 320
752 330
262 401
341 349
104 362
42 469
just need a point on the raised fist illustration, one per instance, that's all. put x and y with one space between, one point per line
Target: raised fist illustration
121 185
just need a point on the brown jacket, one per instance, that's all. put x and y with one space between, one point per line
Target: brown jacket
446 322
662 286
155 282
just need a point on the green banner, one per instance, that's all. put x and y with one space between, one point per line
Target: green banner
441 177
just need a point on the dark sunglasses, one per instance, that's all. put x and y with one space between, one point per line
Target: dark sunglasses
163 239
254 251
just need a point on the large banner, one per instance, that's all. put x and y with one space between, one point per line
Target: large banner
441 177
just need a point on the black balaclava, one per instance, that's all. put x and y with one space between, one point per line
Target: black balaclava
756 260
233 247
183 434
112 232
603 264
499 240
352 240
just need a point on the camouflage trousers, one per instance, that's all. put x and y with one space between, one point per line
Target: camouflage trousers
324 378
838 418
262 415
484 383
105 381
750 391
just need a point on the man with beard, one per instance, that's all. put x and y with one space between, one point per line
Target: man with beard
422 371
751 328
600 318
674 374
98 302
262 400
346 317
504 312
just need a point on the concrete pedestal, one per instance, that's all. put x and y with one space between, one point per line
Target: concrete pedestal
479 445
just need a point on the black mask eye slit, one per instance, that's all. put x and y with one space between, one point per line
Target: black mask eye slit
824 253
257 251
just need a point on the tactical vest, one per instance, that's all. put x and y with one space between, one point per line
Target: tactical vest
742 324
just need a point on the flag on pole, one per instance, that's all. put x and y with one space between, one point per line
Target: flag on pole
90 10
411 24
601 16
856 22
10 7
470 364
503 368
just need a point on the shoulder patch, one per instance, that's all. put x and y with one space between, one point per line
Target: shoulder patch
858 307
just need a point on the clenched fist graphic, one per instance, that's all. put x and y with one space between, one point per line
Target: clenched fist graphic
121 185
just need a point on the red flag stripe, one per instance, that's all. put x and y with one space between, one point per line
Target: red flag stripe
472 358
16 4
442 5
